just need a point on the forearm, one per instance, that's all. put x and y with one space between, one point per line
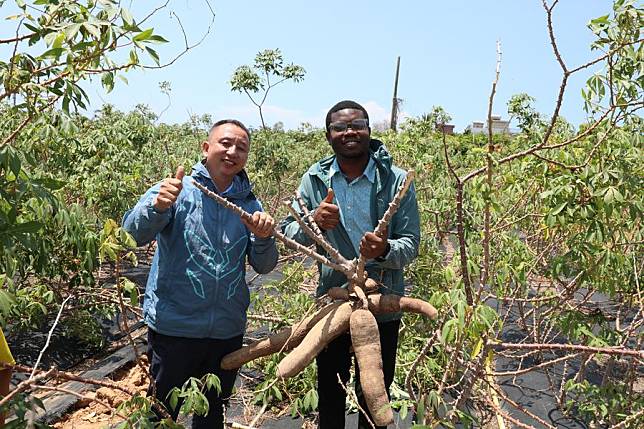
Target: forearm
263 254
402 251
144 222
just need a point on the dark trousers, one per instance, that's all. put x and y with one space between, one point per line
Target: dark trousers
175 359
335 360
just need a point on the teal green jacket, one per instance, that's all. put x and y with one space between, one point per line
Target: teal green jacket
403 231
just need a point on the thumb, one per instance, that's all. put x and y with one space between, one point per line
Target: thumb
180 173
329 196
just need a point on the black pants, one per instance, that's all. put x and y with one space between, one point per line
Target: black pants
175 359
335 360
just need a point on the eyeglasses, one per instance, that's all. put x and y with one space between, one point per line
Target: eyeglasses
356 124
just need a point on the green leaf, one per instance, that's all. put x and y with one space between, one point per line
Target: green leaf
49 38
173 398
30 227
52 53
144 35
447 333
127 16
7 301
58 41
153 54
92 29
71 31
108 81
157 39
559 209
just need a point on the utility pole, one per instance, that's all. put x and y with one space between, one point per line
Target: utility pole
394 104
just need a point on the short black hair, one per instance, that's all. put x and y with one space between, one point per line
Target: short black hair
229 121
345 104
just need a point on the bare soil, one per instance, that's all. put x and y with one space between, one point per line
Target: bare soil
98 409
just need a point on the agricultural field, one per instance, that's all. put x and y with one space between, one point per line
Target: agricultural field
531 244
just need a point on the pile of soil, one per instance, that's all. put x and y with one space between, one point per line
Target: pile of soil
98 409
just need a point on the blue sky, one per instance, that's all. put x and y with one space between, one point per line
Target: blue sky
349 51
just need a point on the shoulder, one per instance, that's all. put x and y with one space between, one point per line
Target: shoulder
398 173
319 170
320 167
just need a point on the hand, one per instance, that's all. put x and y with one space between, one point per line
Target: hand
169 191
261 224
327 215
372 245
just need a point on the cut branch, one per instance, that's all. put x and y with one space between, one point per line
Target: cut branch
384 222
276 233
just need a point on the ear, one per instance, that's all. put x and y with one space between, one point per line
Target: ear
328 136
204 148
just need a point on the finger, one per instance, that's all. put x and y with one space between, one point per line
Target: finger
383 233
163 202
261 223
180 173
174 189
370 237
329 196
268 221
332 209
169 192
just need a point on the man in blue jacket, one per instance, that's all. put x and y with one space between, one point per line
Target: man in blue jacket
196 295
348 193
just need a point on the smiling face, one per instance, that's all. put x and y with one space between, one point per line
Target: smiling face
226 153
351 144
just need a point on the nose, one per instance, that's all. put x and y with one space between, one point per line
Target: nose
350 129
232 150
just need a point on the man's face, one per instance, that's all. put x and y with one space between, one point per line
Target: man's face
226 152
352 143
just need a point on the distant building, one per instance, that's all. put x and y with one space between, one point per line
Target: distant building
445 128
499 126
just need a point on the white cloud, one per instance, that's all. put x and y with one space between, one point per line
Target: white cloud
377 113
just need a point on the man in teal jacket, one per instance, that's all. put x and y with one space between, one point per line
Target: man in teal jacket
348 193
196 295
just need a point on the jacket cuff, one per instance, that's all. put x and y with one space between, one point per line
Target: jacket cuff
156 216
261 245
383 257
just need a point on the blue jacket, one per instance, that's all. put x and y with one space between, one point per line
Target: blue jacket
197 287
403 231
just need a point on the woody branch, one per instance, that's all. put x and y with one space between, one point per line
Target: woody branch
276 233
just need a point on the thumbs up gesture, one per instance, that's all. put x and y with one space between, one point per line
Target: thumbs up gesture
169 191
327 215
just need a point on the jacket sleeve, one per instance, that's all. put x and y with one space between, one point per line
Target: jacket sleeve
143 221
289 226
262 255
404 238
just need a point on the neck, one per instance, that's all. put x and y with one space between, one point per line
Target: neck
222 183
353 167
